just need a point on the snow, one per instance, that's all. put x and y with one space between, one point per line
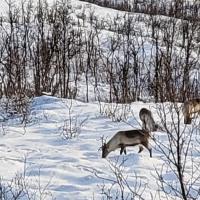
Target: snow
66 162
67 166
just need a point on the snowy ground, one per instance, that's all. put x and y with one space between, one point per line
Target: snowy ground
72 169
66 168
65 165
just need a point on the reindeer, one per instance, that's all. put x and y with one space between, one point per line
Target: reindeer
148 122
190 107
123 139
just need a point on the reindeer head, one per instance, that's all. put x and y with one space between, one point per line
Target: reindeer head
104 147
105 151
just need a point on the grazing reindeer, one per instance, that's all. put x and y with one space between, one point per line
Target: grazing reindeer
190 107
122 139
148 122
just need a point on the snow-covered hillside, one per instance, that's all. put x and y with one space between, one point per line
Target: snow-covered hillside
55 151
73 168
66 166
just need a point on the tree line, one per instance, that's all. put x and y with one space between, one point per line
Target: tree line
47 48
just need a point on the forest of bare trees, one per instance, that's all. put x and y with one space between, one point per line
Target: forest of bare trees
47 49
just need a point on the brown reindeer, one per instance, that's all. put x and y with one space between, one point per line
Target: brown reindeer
148 122
189 109
123 139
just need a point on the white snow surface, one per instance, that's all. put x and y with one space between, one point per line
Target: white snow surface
66 167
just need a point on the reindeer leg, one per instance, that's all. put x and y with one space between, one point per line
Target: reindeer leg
123 149
187 120
146 144
140 149
150 151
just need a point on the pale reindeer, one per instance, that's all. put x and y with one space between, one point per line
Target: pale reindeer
123 139
148 122
190 107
